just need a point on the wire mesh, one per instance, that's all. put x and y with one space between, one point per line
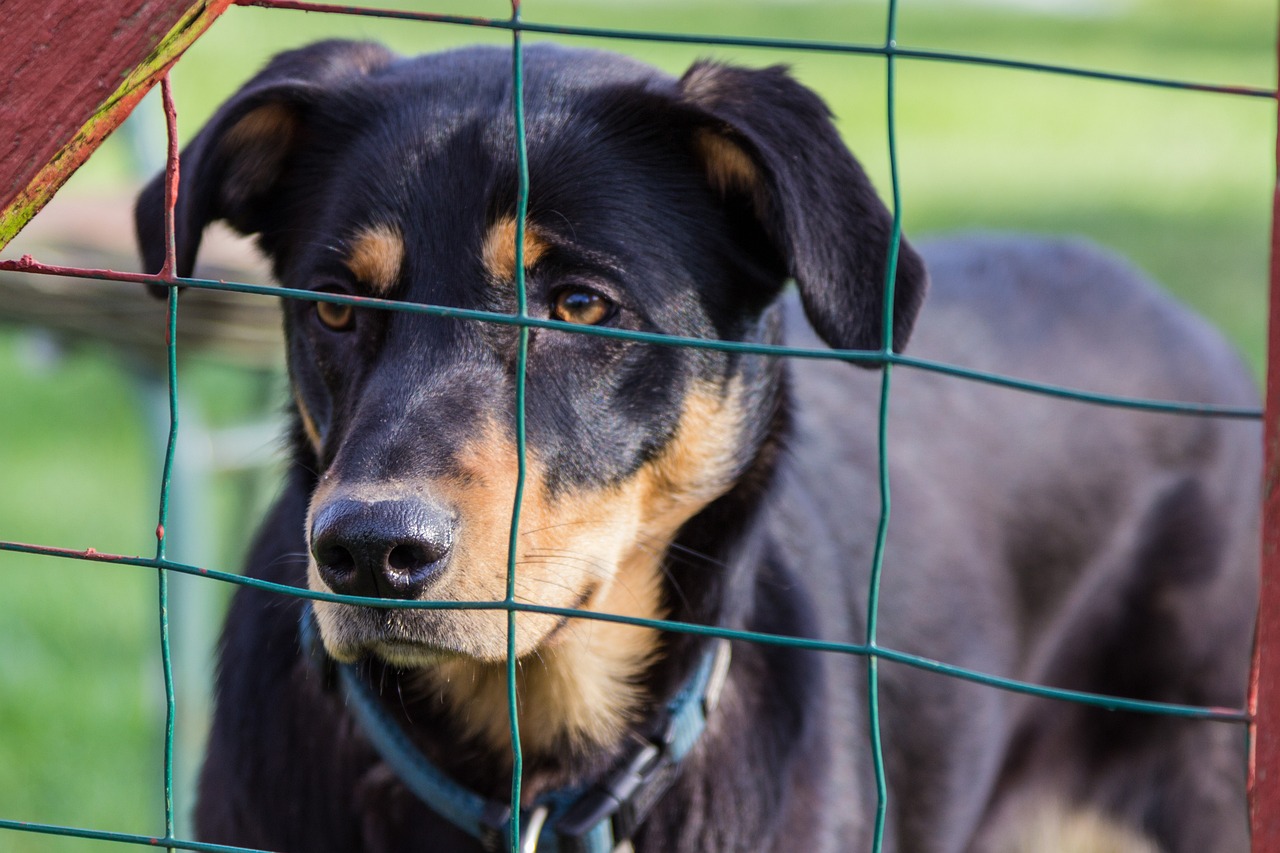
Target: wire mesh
885 358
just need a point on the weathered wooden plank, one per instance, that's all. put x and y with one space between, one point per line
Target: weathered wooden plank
74 71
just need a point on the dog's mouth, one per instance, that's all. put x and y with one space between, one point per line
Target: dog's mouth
412 638
401 638
411 655
415 637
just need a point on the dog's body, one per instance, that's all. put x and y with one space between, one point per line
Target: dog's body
1090 548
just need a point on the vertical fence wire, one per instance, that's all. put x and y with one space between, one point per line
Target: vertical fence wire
522 359
1264 785
169 271
882 441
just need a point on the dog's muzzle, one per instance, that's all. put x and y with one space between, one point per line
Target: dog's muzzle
383 549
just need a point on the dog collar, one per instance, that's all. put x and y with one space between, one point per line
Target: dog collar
595 818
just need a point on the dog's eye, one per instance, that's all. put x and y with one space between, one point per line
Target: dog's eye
336 315
582 306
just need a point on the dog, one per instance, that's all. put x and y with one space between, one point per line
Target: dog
1091 548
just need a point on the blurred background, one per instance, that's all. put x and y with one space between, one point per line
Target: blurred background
1181 182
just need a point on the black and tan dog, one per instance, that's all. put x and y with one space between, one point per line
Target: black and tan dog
1090 548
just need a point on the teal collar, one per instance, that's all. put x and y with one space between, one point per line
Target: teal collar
596 818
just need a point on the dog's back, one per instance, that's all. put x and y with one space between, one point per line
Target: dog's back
1048 540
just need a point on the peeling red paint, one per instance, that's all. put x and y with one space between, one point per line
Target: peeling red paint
369 11
168 270
29 264
74 71
50 551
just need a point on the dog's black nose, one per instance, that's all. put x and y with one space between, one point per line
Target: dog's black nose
385 549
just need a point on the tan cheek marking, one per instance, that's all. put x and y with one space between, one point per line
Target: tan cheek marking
582 688
700 463
498 251
376 256
308 423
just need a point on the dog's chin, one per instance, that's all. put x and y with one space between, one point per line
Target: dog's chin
413 639
414 655
399 653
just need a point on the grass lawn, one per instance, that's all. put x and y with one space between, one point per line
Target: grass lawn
1179 181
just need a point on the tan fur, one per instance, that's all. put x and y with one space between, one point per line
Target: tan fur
258 143
269 122
308 423
375 257
498 251
596 551
1048 825
577 691
728 166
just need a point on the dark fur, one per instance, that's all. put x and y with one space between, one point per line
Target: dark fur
1090 548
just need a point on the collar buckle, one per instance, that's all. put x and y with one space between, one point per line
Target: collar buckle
607 816
616 806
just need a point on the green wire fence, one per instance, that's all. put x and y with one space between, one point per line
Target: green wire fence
885 358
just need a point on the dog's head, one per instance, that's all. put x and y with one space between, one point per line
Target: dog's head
663 205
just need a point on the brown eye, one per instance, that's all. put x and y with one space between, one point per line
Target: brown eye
585 307
336 315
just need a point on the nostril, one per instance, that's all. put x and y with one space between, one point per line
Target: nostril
333 557
412 556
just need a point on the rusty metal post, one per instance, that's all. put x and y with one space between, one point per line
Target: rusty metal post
1264 689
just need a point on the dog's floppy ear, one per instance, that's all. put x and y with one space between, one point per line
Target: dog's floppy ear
771 141
231 167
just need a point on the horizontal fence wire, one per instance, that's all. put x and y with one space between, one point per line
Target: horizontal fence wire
885 358
1229 715
865 357
803 45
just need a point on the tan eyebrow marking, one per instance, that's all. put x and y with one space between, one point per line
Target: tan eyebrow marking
377 253
498 251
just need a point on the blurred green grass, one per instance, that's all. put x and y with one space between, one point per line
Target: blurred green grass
1180 182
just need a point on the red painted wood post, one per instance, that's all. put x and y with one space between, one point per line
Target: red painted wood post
1264 689
73 72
